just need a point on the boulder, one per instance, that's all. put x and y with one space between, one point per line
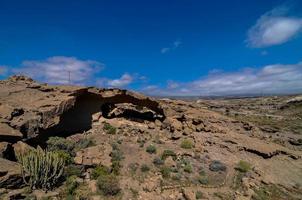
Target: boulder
21 148
94 155
10 174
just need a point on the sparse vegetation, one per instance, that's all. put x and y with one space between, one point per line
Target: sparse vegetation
145 168
186 144
166 153
73 170
82 192
60 144
188 168
158 161
43 167
165 171
151 149
67 148
176 177
270 192
71 185
134 193
109 185
141 142
216 166
237 182
243 166
109 129
203 180
100 171
84 143
66 156
133 167
198 195
116 158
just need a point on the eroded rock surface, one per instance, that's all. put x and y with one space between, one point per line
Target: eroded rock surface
33 111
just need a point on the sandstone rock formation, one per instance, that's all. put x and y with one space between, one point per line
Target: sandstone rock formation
32 111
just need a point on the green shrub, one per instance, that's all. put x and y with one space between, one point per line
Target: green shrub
166 153
165 172
64 155
145 168
117 155
60 143
100 171
108 185
202 172
116 158
82 192
71 185
141 142
158 161
116 167
151 149
43 168
73 170
84 143
243 166
198 195
188 168
186 144
203 180
270 192
176 177
109 129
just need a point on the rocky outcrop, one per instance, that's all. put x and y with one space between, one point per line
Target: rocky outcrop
32 112
10 174
93 156
6 150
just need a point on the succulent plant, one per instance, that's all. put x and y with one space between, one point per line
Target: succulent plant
41 168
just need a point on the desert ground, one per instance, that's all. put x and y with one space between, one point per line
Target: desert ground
118 144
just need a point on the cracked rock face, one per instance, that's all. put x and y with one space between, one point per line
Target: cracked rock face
31 111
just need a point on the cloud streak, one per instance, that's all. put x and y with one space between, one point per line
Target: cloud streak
123 81
57 69
274 28
174 46
270 79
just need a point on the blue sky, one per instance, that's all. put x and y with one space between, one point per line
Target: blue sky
176 47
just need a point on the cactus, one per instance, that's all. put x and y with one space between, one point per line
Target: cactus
41 168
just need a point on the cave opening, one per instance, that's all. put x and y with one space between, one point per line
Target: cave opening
76 120
132 114
79 118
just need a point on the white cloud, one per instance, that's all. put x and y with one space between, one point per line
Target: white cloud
270 79
56 70
3 70
174 46
123 81
264 53
273 28
165 50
